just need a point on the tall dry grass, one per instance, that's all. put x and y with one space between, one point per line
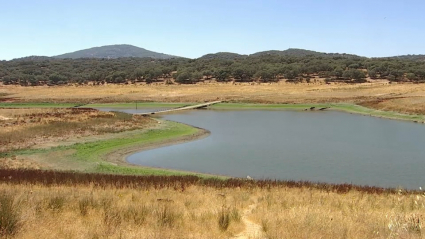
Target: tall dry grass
89 212
307 213
113 206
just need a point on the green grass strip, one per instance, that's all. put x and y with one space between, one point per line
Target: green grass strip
350 108
92 153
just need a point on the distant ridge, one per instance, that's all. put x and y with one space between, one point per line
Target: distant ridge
222 55
125 50
115 51
300 52
410 57
32 58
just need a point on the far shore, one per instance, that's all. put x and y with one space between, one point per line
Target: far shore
344 107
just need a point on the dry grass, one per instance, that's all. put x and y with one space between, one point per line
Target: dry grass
198 212
402 104
282 92
23 128
307 213
87 212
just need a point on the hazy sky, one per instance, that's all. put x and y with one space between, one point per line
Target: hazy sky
192 28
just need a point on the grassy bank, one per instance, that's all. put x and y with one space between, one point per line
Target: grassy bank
90 156
350 108
97 151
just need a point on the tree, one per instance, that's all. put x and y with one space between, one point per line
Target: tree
372 73
187 77
242 73
357 75
337 72
411 76
266 75
221 75
290 75
56 79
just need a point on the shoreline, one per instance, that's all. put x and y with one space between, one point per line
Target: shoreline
344 107
119 157
341 107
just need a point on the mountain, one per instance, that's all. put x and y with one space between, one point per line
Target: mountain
300 52
222 55
115 51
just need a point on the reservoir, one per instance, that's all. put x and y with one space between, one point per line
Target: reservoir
318 146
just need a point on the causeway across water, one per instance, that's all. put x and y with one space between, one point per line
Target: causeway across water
190 107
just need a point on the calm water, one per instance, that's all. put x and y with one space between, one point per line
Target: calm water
327 146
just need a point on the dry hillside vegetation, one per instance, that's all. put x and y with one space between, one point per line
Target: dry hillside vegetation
23 128
405 98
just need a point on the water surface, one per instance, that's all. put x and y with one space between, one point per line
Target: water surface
329 146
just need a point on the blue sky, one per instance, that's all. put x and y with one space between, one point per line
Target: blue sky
192 28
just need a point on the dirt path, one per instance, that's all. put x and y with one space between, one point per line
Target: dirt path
252 229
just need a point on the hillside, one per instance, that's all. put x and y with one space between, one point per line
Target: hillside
222 55
33 58
411 57
300 53
115 51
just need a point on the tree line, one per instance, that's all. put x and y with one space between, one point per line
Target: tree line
263 68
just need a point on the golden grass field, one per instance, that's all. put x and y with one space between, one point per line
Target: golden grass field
405 98
206 212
